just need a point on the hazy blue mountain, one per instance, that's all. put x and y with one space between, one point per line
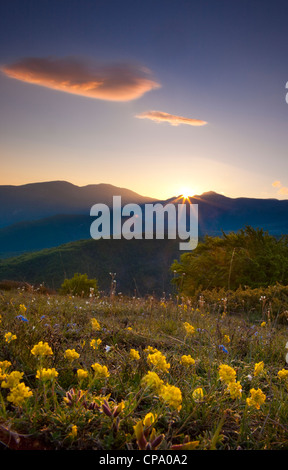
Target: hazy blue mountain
41 200
51 214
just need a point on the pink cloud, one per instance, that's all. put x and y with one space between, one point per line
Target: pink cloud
119 82
160 116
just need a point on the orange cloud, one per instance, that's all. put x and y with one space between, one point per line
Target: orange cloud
277 184
160 116
120 82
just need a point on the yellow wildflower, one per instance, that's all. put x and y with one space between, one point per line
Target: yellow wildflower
226 339
189 328
263 324
4 365
187 360
41 349
150 350
198 394
258 368
235 389
46 374
283 374
82 374
71 354
256 399
95 343
149 419
172 396
22 309
18 394
100 371
152 380
158 360
95 324
12 380
9 337
134 354
226 373
73 432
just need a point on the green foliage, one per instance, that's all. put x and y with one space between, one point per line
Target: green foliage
249 257
79 285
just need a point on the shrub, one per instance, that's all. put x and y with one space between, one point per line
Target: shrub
79 285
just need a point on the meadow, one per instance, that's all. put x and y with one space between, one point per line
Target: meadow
115 372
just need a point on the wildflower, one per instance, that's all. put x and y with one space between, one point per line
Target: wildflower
4 366
158 360
189 328
227 374
73 432
9 337
71 354
149 419
222 347
95 324
227 339
107 348
82 374
283 374
172 396
12 379
258 368
263 324
46 374
41 349
152 380
257 398
22 318
187 360
198 394
134 354
151 350
18 394
235 389
112 412
22 309
73 398
100 371
95 343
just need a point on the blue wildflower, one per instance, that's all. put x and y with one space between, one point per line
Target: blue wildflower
222 347
20 317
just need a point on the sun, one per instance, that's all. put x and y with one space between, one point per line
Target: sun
186 193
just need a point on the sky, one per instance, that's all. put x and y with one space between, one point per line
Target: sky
160 97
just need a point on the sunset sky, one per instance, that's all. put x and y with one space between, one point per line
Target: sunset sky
155 96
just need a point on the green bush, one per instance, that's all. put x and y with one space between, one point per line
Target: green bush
79 285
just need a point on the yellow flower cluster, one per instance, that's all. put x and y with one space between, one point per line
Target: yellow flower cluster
41 349
134 354
187 360
10 337
172 396
228 376
46 374
71 354
4 366
95 324
198 394
256 399
158 361
18 390
258 368
152 381
95 343
190 330
100 371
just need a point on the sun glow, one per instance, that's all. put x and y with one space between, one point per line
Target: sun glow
186 193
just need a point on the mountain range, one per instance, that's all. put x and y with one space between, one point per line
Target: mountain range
45 232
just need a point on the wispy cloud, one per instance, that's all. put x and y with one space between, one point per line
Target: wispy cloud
116 82
160 116
282 190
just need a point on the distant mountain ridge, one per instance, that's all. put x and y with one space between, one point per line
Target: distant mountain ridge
35 201
45 215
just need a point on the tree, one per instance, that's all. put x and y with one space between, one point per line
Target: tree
249 257
79 285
